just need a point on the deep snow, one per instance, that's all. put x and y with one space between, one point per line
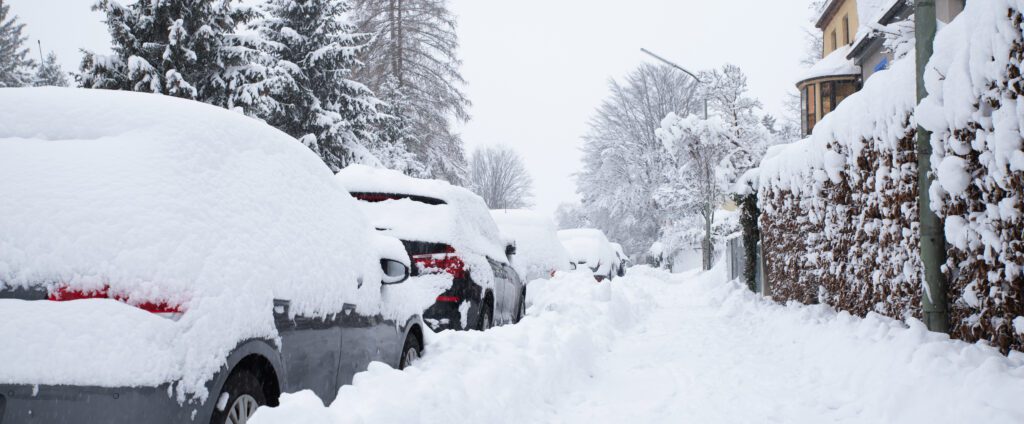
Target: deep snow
656 348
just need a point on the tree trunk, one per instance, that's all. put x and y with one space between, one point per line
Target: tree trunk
708 249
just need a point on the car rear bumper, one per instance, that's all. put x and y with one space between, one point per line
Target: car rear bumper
27 404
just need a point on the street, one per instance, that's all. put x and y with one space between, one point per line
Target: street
656 347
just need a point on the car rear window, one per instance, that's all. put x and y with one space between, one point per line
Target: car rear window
380 197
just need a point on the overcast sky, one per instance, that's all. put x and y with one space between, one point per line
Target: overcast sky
537 69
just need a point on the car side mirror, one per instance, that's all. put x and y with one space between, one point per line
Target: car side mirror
394 271
510 249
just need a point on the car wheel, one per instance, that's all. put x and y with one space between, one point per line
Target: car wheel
411 352
239 398
486 318
522 307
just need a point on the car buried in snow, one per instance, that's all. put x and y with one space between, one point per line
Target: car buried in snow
539 254
446 230
167 261
589 249
620 254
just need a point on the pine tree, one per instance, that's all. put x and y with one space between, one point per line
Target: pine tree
50 73
415 50
15 64
304 88
182 48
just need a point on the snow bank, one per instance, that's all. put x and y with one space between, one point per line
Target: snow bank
538 250
506 374
655 347
975 110
163 200
462 221
829 366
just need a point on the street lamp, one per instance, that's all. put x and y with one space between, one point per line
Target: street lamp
669 63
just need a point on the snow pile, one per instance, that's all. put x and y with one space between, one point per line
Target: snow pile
462 221
590 248
658 348
163 200
506 374
975 110
538 250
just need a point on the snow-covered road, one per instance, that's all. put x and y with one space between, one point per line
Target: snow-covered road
660 348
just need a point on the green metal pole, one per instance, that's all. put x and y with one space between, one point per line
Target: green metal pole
933 240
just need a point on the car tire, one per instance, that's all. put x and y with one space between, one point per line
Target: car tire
244 394
521 310
411 351
486 318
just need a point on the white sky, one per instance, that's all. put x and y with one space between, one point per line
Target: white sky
537 69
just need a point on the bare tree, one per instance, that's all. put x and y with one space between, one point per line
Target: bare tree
498 175
413 66
623 161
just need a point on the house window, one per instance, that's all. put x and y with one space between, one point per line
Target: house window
846 29
828 97
843 89
834 45
807 104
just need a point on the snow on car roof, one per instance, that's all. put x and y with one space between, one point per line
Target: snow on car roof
169 200
538 250
590 246
462 221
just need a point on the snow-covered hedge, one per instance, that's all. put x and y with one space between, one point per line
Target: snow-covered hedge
839 208
839 219
975 111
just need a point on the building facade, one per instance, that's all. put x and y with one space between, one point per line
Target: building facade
852 51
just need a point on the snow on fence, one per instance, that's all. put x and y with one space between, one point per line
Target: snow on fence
839 209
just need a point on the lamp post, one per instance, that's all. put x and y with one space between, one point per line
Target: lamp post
669 63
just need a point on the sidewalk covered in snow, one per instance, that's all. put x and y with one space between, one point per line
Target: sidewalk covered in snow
658 347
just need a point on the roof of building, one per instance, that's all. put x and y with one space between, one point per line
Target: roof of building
887 13
866 10
834 65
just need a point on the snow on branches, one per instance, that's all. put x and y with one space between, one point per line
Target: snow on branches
975 109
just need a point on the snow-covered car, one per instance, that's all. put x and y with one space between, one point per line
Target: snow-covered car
164 260
590 249
446 230
620 268
539 254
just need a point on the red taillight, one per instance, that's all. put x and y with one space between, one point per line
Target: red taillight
63 293
441 262
449 299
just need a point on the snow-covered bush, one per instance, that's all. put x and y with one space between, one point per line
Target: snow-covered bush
839 208
975 111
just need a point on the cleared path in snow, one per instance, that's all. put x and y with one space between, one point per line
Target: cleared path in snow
655 348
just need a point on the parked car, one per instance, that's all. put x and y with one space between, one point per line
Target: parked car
167 261
539 254
445 229
589 249
620 268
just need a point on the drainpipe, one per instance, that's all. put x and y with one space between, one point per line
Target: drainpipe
933 240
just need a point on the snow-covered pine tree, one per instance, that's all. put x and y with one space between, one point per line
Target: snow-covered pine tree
182 48
50 73
304 87
15 64
415 48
